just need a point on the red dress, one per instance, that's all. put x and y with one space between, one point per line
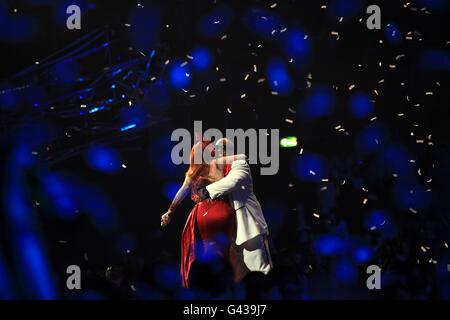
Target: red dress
212 225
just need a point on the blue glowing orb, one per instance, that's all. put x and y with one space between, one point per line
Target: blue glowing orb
393 33
104 159
170 189
328 245
179 76
202 59
361 106
278 77
309 167
319 103
296 45
346 272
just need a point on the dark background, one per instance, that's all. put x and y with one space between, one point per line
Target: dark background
137 194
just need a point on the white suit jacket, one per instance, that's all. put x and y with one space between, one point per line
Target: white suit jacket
250 220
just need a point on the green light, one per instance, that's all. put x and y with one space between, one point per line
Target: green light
288 142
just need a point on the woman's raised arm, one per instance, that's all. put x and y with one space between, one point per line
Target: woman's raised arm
181 194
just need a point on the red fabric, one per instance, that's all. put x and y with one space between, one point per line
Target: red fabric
207 222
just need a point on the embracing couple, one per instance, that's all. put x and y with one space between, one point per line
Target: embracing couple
227 220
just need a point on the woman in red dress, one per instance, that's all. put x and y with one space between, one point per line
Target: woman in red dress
210 220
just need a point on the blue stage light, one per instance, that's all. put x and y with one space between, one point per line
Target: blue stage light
278 77
34 268
320 102
377 219
202 58
393 33
309 167
179 76
361 105
104 159
296 45
170 189
64 194
328 245
346 272
96 109
362 254
128 127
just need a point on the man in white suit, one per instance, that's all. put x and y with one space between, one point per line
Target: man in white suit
252 231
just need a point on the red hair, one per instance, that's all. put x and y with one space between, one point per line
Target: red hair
198 170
